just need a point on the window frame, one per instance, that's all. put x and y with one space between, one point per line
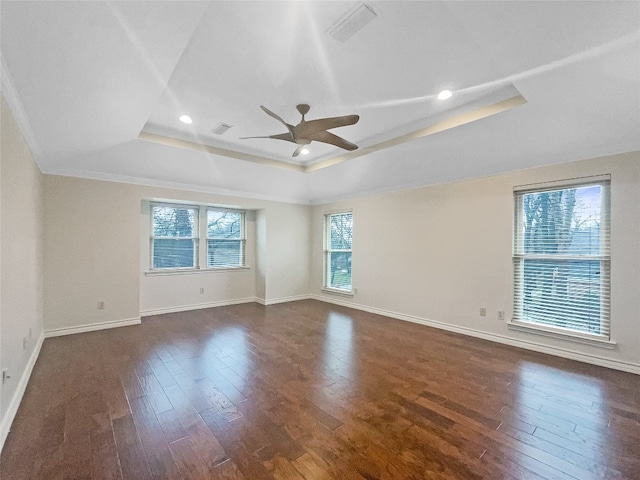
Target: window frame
195 238
200 247
603 257
242 240
327 251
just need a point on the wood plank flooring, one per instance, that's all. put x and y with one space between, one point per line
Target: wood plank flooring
311 391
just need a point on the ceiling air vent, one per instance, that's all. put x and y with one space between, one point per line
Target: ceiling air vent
221 128
352 22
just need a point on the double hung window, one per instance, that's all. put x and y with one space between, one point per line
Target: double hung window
561 257
175 242
337 251
225 238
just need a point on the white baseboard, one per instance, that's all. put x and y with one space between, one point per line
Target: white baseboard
91 327
14 403
274 301
197 306
556 351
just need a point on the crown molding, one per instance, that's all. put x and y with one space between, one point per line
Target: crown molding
148 182
10 94
446 123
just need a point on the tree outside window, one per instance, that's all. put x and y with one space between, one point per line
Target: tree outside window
338 242
561 258
174 237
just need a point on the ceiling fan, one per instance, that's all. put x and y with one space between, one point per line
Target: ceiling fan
306 132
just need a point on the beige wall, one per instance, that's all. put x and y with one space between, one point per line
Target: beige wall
440 253
288 251
21 276
166 293
97 250
91 252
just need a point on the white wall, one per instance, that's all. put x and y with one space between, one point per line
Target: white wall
288 251
167 293
21 276
278 249
439 253
97 250
92 243
261 254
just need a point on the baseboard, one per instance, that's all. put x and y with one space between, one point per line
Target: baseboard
534 346
91 327
197 306
14 403
274 301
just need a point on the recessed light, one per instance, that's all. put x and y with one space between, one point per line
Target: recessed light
186 119
304 151
445 95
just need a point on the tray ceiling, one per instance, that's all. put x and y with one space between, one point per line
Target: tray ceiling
98 88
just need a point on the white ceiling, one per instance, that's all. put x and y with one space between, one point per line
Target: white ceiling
85 79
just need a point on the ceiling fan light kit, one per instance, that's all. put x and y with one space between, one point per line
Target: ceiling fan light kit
308 131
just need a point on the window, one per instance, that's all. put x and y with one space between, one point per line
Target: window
225 238
174 240
337 253
561 257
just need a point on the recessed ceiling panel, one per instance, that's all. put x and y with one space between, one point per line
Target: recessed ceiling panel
280 54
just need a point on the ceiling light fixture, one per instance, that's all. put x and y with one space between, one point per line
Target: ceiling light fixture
186 119
445 95
304 151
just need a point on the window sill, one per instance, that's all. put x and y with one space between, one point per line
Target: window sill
570 337
344 293
189 271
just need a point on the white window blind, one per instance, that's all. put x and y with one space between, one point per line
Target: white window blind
562 257
225 238
174 236
337 253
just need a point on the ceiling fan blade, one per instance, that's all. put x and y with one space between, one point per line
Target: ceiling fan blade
277 117
279 136
330 138
312 126
298 150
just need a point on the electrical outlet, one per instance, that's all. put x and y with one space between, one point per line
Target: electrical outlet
201 291
100 305
500 314
483 312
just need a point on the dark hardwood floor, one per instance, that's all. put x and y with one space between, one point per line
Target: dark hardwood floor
307 390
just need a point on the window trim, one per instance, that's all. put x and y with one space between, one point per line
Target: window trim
195 238
327 251
242 239
518 257
569 335
200 248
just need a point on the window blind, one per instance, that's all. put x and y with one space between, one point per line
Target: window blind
225 238
562 257
174 240
338 242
